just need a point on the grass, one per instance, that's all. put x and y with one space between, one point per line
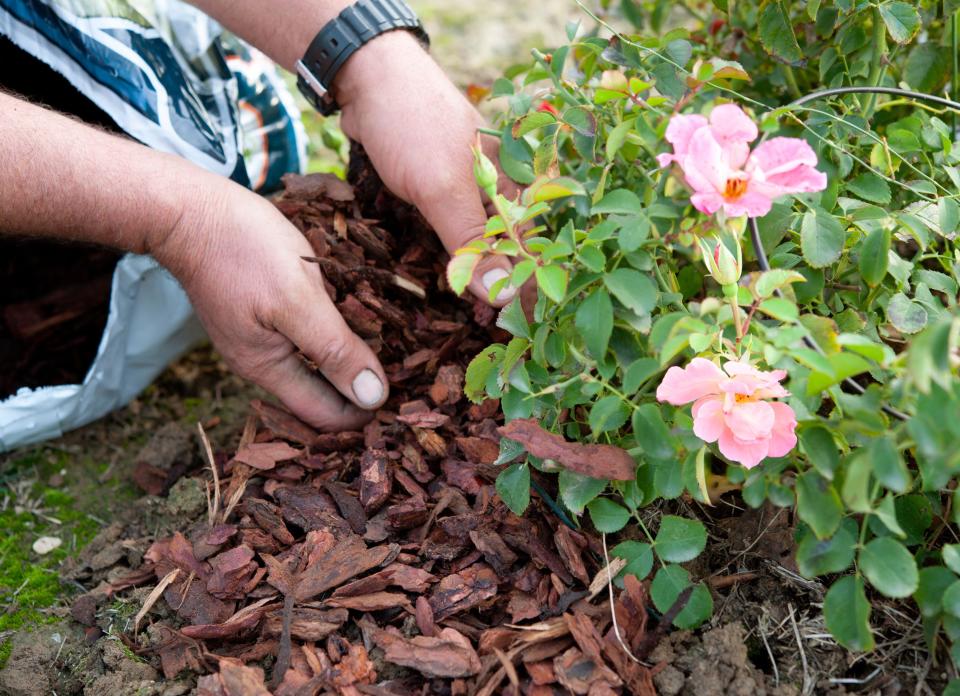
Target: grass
30 584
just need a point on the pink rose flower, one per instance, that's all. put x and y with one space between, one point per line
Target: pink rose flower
718 165
731 408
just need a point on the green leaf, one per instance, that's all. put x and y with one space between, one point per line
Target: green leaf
842 365
933 583
651 432
638 555
479 371
618 201
576 490
512 319
594 322
888 465
776 33
951 556
847 613
818 504
634 289
633 233
608 413
607 516
948 215
821 449
902 20
637 373
951 600
547 189
824 556
680 539
666 587
513 487
771 281
460 271
617 137
889 567
530 122
927 68
856 482
780 308
552 280
907 316
821 238
870 187
874 256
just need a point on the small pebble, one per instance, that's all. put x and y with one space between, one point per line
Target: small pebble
46 544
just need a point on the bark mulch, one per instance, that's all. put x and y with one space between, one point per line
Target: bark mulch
382 561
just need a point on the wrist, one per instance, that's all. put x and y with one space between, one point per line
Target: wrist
195 203
397 52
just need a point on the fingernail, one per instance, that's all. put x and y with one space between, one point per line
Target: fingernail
367 388
493 276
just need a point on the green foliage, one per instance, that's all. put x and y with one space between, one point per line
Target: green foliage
867 271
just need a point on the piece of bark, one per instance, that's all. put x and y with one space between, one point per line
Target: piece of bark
317 185
265 455
523 606
347 560
375 601
268 517
570 545
462 475
478 450
364 321
210 540
424 617
494 550
305 507
350 507
306 623
413 462
577 672
541 672
230 572
596 461
284 424
376 480
433 443
337 442
463 591
448 654
406 515
447 388
395 575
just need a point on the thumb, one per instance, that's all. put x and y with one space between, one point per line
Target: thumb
342 356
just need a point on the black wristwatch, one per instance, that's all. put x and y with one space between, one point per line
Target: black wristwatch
340 39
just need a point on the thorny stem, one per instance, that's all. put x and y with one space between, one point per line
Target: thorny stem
879 45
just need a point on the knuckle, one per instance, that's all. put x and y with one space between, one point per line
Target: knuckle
335 353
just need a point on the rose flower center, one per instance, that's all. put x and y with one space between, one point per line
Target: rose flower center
734 188
742 398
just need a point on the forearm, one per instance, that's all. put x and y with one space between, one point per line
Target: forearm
62 178
283 29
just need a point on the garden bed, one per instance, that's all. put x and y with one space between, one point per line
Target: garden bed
384 562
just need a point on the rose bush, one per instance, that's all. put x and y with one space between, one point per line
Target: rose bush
817 340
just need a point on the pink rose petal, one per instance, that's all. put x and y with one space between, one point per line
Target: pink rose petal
682 385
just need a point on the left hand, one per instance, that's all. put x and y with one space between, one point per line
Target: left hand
417 129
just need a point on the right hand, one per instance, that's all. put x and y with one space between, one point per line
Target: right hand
240 262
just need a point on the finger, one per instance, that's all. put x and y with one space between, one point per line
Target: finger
458 217
343 358
310 398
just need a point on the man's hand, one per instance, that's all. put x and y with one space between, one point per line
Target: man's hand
240 262
417 129
236 255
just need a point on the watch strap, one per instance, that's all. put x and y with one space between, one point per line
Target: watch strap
341 37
